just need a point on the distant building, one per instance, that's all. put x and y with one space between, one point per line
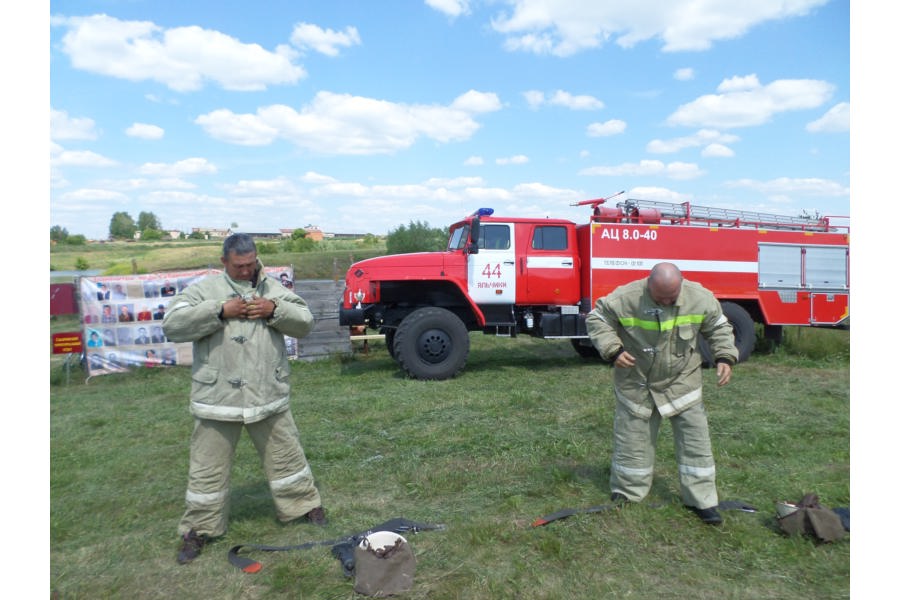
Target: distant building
262 236
212 232
314 233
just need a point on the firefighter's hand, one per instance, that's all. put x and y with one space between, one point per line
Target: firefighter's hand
723 372
625 360
260 308
234 308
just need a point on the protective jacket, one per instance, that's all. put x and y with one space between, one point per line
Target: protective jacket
240 367
664 341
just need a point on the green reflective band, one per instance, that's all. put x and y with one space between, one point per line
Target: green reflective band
662 325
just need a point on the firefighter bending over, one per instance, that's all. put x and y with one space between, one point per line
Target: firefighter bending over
650 330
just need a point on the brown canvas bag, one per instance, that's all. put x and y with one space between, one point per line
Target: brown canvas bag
385 571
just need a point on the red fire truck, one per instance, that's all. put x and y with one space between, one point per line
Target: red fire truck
541 277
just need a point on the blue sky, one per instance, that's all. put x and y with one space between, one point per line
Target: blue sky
360 116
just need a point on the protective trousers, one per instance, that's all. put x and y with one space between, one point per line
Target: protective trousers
634 453
213 443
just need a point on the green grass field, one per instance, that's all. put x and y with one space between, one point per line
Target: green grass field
523 432
330 260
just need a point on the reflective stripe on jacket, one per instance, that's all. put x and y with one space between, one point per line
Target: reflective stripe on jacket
240 367
664 342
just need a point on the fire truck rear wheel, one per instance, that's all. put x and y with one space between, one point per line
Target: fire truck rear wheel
431 343
585 350
744 333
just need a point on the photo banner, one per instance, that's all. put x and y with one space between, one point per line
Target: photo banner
122 318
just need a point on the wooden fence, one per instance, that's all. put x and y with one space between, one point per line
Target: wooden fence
327 337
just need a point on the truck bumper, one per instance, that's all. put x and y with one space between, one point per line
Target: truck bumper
351 316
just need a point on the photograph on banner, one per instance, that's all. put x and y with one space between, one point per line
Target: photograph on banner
122 319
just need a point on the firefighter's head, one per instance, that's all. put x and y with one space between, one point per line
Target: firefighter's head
239 257
664 283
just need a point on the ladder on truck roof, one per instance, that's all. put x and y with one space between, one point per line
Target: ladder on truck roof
685 214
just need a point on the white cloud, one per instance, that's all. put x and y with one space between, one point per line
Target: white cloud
566 27
60 157
611 127
684 74
313 177
646 168
811 186
477 102
473 161
717 151
64 127
454 182
702 138
336 124
188 166
270 192
245 130
744 102
451 8
579 102
92 194
837 119
325 41
140 183
519 159
182 58
536 99
659 194
145 131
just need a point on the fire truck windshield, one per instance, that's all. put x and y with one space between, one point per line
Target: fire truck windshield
458 236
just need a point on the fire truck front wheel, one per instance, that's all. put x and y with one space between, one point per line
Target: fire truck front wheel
389 340
431 343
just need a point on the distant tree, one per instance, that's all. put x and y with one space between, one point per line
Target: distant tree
151 235
418 237
303 245
121 226
197 235
147 220
266 248
58 234
299 242
234 225
76 240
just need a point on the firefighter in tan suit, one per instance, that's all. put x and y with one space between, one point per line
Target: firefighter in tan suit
650 330
240 379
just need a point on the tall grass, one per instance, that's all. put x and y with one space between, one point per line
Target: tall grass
524 431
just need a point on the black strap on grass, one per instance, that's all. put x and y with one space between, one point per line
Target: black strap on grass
398 525
568 512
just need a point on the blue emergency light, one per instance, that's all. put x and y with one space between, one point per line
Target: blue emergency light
484 212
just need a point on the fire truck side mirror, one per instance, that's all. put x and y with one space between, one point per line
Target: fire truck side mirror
474 232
